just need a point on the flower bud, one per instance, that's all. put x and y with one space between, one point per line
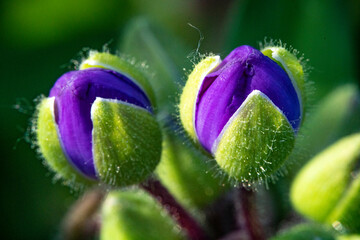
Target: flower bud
136 215
327 189
98 124
244 110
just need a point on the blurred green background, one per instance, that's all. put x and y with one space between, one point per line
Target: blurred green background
41 39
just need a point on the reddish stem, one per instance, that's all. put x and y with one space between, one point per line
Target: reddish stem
247 218
183 218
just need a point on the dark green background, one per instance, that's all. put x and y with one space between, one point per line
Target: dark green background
39 38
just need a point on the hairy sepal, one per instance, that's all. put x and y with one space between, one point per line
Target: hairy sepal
256 141
126 142
189 95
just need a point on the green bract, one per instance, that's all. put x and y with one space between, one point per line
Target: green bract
255 145
126 142
327 189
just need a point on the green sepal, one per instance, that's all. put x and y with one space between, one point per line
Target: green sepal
190 92
187 173
109 61
126 142
256 141
134 215
50 147
325 189
307 231
292 67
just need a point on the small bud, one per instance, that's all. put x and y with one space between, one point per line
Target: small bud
98 123
244 110
136 215
327 189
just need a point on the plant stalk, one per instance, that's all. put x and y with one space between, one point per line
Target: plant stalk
183 218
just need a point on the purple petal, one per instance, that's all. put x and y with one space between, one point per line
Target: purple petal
223 91
74 94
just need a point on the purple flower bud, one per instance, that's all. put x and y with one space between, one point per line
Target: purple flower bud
246 109
74 94
223 91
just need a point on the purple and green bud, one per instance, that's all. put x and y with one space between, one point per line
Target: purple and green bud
327 189
246 109
98 124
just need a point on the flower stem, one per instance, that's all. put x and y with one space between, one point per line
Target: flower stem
183 218
247 214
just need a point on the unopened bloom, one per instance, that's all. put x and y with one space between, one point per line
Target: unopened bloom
98 124
327 189
245 110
